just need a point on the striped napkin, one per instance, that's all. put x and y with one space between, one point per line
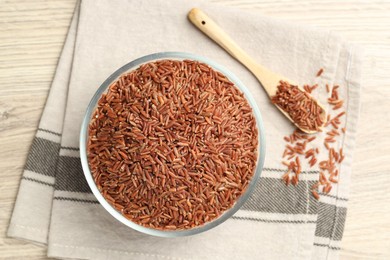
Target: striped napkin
55 206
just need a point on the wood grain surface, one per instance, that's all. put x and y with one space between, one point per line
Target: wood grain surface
32 33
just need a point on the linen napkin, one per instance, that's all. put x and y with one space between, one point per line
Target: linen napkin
54 204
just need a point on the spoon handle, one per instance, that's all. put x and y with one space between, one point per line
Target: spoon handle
269 80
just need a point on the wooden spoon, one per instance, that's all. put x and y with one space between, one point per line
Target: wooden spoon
268 79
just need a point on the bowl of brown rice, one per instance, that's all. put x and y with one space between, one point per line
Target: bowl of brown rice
172 144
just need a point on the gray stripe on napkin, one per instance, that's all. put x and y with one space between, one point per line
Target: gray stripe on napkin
70 175
274 220
76 200
43 155
330 221
37 181
334 197
70 148
268 169
272 195
256 219
328 246
48 131
289 200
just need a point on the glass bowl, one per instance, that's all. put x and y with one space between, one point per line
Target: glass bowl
84 137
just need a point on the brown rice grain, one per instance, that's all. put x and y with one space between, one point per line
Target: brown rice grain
315 194
319 73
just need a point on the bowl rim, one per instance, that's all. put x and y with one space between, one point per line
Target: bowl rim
132 66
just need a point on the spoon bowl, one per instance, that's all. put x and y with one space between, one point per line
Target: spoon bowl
267 78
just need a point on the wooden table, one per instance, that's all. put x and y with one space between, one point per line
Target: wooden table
32 33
